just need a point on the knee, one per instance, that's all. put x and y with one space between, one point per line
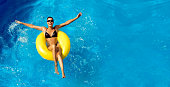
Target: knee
53 46
59 56
59 51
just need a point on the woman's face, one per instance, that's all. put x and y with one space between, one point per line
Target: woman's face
50 22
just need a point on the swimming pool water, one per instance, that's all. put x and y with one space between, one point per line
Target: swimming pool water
115 43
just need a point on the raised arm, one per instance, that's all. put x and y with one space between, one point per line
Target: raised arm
69 21
30 25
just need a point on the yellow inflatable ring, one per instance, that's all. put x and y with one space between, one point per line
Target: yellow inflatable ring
63 40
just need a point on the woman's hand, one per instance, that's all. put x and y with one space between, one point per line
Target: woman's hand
79 14
19 22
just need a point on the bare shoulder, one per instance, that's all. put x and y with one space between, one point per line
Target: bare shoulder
56 27
44 28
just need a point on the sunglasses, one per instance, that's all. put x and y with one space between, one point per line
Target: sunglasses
50 21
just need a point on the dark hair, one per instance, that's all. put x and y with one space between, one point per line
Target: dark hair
50 17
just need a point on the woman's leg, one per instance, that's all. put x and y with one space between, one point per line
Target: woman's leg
60 60
53 49
61 65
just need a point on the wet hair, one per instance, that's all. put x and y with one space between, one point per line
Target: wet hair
50 17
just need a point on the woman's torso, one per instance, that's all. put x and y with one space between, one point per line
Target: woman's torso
51 36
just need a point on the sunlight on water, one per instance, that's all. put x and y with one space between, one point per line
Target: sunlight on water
23 39
12 26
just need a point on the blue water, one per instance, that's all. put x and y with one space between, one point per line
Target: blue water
115 43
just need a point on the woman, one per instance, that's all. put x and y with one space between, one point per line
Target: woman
51 38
